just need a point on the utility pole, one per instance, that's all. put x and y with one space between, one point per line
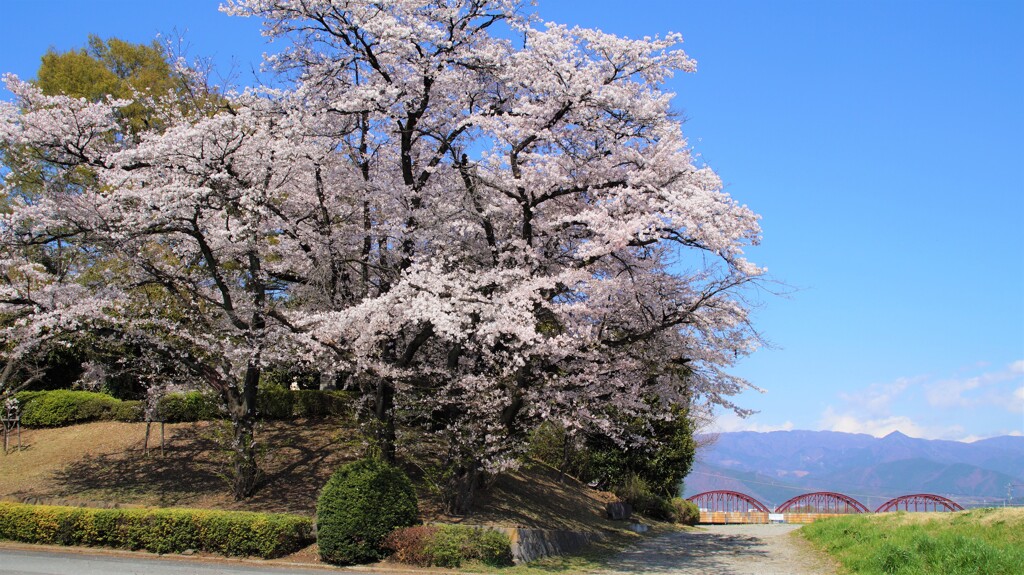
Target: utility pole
1009 491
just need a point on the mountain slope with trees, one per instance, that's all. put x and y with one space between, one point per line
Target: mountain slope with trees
778 465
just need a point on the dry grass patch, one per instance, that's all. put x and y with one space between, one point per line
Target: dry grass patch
104 462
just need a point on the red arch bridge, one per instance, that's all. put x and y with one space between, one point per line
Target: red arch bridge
723 506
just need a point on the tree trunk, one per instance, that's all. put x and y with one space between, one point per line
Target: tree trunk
461 487
384 430
244 470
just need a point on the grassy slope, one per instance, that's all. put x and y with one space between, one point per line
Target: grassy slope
104 462
989 541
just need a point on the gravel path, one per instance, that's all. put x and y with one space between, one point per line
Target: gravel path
724 550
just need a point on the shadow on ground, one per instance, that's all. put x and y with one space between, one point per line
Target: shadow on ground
691 552
191 471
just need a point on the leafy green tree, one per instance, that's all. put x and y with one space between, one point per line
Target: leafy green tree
661 465
114 68
111 68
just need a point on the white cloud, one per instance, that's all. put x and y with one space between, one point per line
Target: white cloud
1016 404
878 397
729 421
987 388
973 438
850 422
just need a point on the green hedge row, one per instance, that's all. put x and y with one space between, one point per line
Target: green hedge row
266 535
64 407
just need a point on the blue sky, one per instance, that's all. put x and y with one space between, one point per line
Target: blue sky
881 143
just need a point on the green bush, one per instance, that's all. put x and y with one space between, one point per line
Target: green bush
449 546
636 492
360 505
187 407
598 458
316 404
59 408
25 397
264 535
684 511
274 402
130 411
64 407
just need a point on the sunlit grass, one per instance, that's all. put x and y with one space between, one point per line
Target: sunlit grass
981 541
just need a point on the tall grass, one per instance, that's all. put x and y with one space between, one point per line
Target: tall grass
981 541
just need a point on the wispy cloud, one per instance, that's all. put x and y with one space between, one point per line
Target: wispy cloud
995 388
729 421
964 407
878 398
850 422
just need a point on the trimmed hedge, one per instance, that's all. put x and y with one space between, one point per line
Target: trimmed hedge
61 408
316 404
64 407
265 535
275 402
129 411
361 504
449 546
187 407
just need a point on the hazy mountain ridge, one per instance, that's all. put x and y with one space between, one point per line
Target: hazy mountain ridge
778 465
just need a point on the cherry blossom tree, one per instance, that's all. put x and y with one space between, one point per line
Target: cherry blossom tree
538 240
185 229
480 221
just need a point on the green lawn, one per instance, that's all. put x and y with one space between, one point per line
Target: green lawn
982 542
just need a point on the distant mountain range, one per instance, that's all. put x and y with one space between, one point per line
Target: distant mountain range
775 466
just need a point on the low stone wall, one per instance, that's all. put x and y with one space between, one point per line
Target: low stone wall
721 518
531 544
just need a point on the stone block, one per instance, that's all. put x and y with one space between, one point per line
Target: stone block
619 510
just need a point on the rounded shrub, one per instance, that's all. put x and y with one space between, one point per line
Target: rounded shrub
187 407
129 411
684 511
449 546
360 505
64 407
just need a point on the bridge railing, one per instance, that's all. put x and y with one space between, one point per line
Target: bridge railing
724 507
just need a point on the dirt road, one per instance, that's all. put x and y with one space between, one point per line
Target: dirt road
724 550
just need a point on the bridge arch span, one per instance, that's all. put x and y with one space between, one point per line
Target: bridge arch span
823 502
919 502
726 501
